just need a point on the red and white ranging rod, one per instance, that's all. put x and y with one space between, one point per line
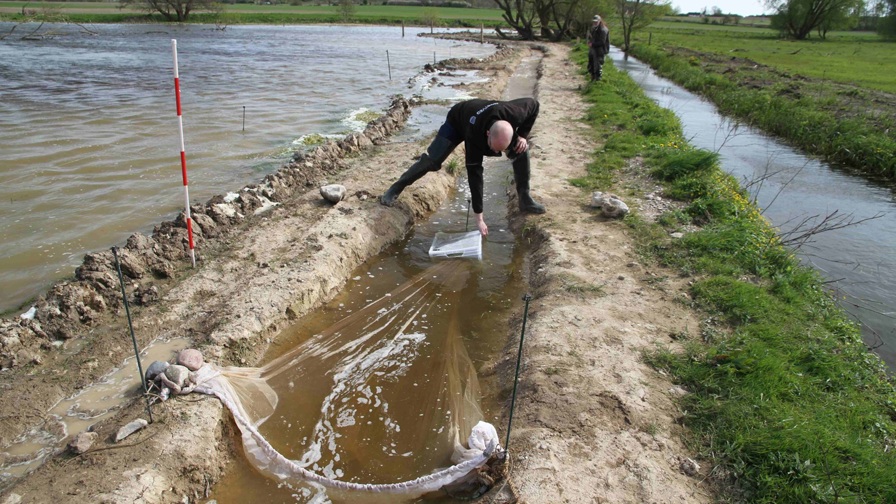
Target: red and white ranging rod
183 155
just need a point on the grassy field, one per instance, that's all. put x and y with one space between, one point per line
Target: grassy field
786 404
861 59
262 14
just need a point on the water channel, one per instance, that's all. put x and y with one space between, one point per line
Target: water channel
795 188
492 293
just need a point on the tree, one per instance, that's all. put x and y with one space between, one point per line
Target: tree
520 15
797 18
887 26
174 10
347 9
550 19
637 14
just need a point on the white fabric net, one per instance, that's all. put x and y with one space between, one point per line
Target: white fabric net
396 398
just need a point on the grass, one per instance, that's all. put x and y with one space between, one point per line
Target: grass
101 12
845 124
786 403
859 59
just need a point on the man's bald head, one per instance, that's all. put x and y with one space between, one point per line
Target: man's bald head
499 136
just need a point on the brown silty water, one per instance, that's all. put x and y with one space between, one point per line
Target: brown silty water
388 422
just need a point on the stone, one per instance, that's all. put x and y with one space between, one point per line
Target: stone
610 204
334 193
689 467
130 428
82 442
175 377
13 498
146 295
155 369
190 358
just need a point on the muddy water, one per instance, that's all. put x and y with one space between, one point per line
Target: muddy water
89 144
87 407
857 259
480 311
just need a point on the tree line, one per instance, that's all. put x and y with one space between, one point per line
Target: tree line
557 20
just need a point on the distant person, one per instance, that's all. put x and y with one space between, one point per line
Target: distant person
487 128
599 43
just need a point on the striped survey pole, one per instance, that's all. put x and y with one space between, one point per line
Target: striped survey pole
183 155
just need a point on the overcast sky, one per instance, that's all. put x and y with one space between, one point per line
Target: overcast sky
742 7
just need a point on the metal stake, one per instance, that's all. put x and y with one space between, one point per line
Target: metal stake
127 310
516 377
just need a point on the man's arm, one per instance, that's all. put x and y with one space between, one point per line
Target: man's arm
474 177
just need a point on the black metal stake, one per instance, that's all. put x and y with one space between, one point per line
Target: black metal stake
467 225
389 64
516 377
244 118
127 310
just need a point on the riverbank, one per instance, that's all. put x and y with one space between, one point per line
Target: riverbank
294 267
619 311
777 373
844 123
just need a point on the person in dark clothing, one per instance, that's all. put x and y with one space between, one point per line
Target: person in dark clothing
599 43
487 128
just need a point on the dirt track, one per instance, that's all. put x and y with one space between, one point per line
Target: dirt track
595 424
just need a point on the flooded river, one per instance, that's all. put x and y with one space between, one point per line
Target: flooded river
89 144
794 189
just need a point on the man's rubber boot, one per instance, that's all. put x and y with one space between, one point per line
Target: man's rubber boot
521 177
431 160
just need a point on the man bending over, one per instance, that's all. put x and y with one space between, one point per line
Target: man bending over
488 128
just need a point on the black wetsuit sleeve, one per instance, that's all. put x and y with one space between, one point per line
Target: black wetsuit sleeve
474 177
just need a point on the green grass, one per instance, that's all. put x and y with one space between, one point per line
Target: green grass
839 123
860 59
787 405
630 122
98 12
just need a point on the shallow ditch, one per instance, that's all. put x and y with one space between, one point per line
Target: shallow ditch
481 310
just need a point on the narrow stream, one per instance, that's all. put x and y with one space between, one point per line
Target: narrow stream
485 303
856 259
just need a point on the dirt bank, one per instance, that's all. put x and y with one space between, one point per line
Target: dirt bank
593 424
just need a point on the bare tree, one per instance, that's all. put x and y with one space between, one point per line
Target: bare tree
549 19
637 14
174 10
520 15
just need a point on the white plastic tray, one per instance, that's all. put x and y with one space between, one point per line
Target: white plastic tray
467 244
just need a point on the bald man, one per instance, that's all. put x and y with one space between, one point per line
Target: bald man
487 128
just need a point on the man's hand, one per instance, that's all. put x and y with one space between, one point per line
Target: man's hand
480 223
521 145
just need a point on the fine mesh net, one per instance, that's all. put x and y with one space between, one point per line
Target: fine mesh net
393 398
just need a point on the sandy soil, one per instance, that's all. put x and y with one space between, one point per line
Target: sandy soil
593 422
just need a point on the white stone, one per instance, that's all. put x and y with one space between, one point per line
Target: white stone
130 428
334 193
